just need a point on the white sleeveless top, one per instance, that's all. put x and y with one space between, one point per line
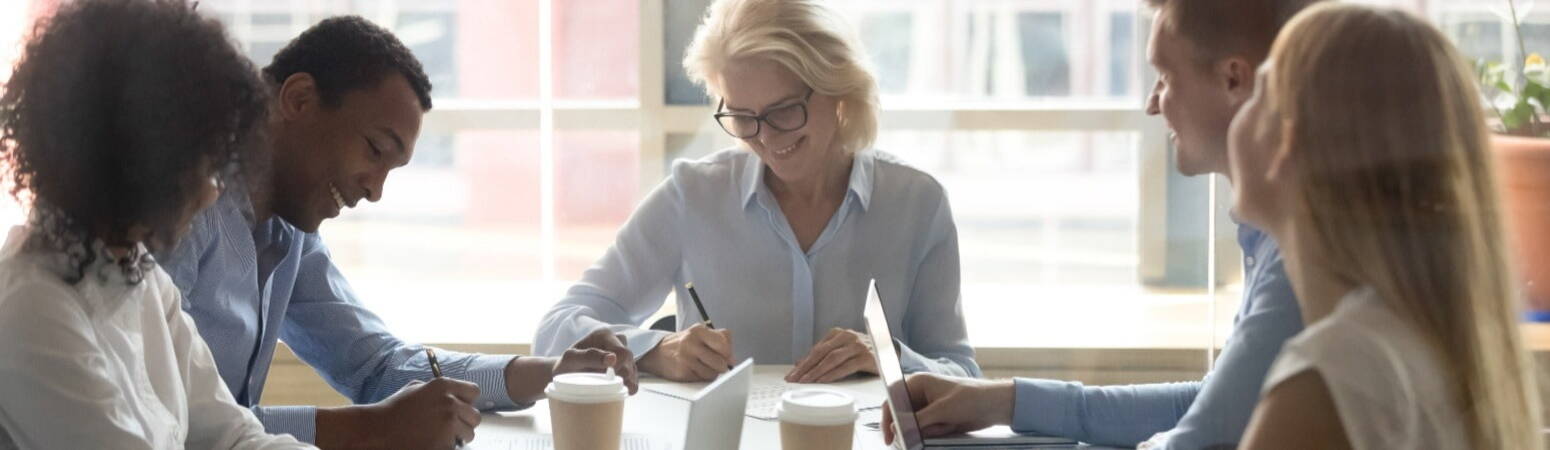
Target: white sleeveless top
1387 382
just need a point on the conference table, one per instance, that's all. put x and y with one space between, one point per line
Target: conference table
655 417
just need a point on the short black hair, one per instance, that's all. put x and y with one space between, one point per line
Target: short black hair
115 110
343 53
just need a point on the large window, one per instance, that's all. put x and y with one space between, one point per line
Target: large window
553 118
548 130
1028 112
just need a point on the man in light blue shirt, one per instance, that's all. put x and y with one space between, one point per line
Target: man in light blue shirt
1205 52
346 108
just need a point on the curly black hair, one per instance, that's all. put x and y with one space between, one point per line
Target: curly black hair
344 53
117 110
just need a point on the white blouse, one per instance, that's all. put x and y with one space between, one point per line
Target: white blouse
108 364
1388 383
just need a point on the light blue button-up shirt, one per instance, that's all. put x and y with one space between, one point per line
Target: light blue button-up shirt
249 286
1207 413
713 222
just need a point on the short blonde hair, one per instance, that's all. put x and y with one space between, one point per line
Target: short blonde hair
807 37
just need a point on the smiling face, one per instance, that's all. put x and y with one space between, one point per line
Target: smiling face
756 86
1195 101
330 158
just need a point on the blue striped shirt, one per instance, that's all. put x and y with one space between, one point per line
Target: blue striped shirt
249 286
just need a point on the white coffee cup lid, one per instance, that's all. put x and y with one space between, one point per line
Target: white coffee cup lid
814 406
587 387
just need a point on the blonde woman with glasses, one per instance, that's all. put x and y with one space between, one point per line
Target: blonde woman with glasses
781 236
1363 151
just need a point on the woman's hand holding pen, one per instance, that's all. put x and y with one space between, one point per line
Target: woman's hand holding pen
842 353
695 354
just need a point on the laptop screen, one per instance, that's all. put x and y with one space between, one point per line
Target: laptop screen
892 373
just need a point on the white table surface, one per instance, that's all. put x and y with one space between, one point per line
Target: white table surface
663 418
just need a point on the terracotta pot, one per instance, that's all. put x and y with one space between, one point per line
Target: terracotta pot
1523 169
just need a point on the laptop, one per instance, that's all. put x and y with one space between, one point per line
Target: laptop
906 430
716 412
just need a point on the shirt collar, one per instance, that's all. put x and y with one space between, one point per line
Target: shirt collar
862 168
236 199
1248 237
752 177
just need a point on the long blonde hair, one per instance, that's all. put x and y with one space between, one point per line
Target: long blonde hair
1386 131
807 37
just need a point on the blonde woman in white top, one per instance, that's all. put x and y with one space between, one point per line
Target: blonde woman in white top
120 122
1363 151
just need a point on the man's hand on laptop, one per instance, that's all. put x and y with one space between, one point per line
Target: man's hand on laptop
950 405
699 353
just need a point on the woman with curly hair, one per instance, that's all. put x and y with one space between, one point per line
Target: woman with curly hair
121 121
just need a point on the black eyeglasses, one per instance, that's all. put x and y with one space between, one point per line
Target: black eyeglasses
785 118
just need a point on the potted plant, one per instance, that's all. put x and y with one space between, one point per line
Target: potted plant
1520 98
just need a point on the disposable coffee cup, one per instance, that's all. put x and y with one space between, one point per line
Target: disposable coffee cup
817 419
586 410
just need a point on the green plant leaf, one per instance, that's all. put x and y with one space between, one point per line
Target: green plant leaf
1533 89
1493 76
1518 117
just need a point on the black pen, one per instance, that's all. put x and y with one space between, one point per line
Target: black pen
435 366
700 306
436 372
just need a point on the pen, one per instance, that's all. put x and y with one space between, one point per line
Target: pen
435 366
436 372
700 306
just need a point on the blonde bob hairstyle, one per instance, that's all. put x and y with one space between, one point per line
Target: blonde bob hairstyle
807 37
1384 127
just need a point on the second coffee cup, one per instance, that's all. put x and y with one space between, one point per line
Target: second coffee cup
586 410
817 419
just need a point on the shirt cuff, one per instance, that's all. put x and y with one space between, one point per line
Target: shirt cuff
298 421
489 372
912 361
1046 407
642 341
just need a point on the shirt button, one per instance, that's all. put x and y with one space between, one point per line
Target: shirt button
1248 261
